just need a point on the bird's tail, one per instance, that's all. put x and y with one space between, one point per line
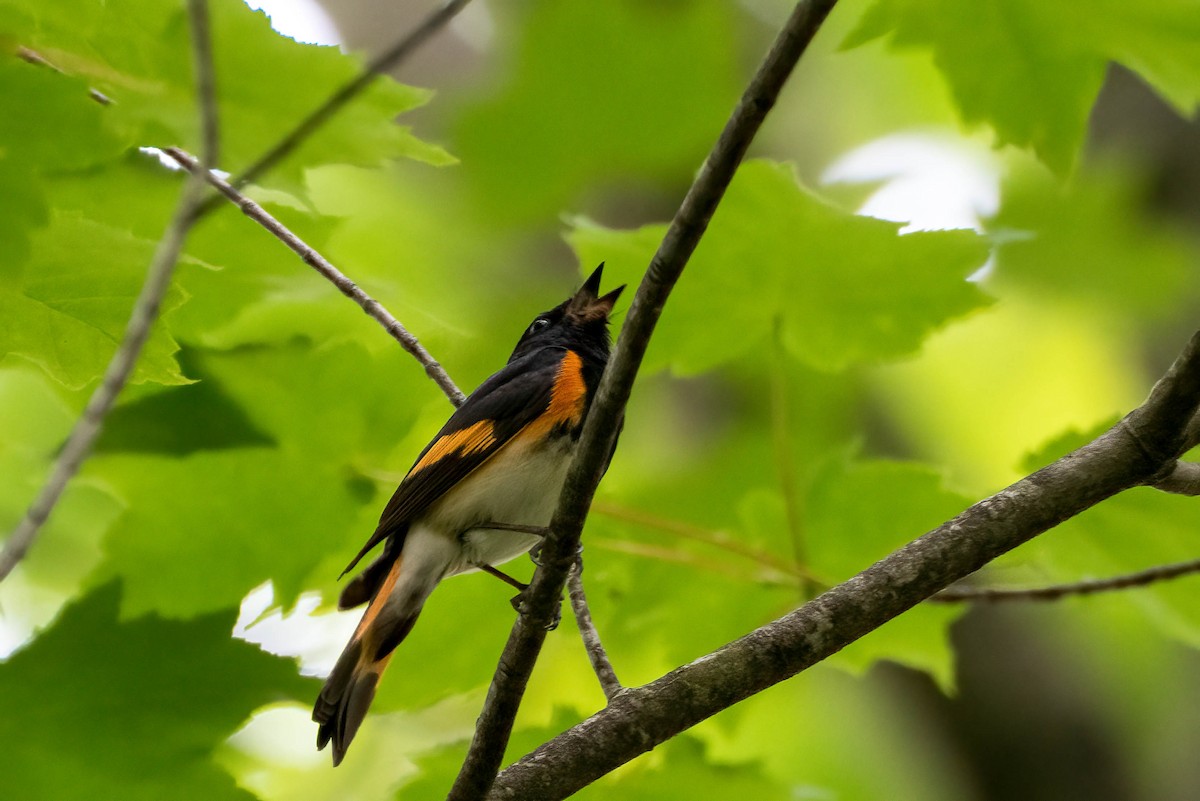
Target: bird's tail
350 688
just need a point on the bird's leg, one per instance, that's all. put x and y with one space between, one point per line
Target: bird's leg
518 600
539 531
500 574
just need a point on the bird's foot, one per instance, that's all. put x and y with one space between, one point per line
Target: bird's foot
535 555
518 603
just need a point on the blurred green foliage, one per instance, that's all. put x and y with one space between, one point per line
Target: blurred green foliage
821 390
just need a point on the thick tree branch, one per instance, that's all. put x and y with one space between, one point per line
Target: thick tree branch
384 62
516 662
1055 592
639 719
312 258
141 319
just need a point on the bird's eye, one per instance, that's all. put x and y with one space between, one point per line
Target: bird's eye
539 324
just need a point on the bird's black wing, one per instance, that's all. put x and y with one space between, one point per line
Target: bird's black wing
500 408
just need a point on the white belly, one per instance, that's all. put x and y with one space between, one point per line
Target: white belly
519 485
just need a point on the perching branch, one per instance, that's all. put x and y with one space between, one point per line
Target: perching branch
603 668
516 662
141 319
312 258
1055 592
384 62
1126 456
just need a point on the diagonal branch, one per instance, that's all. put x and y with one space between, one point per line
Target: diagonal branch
384 62
516 662
639 719
312 258
141 319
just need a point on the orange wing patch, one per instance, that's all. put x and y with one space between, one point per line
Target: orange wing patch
472 439
567 398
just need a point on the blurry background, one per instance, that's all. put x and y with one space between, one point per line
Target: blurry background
762 437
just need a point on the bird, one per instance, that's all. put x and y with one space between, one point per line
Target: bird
477 496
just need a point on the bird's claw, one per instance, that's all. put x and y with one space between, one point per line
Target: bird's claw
518 603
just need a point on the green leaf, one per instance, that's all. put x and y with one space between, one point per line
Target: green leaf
816 731
61 127
1080 242
686 770
680 768
335 402
179 421
1058 447
138 53
200 532
1136 530
1032 69
857 513
840 289
1133 531
71 308
98 708
578 109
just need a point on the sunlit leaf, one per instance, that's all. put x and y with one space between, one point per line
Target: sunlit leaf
837 289
1033 69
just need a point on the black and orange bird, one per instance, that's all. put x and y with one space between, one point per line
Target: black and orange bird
495 468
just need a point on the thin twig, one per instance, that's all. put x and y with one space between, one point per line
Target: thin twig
1182 479
384 62
1055 592
785 465
524 644
591 638
206 84
137 330
312 258
679 556
34 57
641 718
717 539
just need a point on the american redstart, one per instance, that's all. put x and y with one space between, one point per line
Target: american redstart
501 459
